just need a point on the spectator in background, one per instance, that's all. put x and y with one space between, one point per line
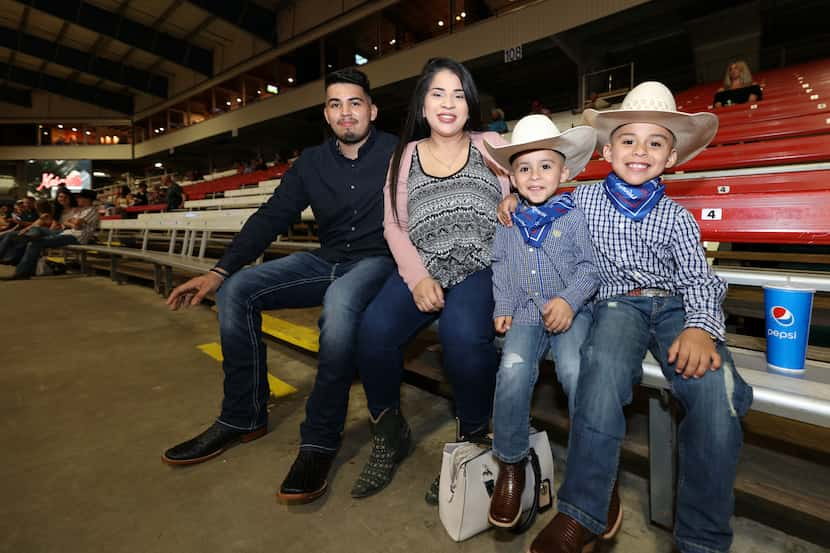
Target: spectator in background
175 195
122 200
295 153
738 87
259 164
140 197
497 122
155 195
6 220
78 229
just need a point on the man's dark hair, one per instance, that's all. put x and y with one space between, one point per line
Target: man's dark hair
349 75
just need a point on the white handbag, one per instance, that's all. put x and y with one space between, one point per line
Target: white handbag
468 477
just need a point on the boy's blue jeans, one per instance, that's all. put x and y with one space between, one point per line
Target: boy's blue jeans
709 435
524 346
298 280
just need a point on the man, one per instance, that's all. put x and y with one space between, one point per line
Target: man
174 197
342 180
78 229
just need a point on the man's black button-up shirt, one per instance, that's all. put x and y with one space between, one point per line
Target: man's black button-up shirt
346 196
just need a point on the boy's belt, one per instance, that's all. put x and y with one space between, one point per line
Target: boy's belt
649 292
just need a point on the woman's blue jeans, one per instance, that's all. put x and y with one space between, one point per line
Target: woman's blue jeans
524 347
709 434
466 332
298 280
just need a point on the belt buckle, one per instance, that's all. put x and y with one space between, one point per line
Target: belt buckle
648 292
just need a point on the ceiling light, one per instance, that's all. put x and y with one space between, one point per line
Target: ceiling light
228 103
99 174
330 66
239 100
87 133
440 22
161 129
392 42
259 92
60 126
272 89
46 133
463 14
74 129
155 131
290 79
31 161
458 18
158 165
376 48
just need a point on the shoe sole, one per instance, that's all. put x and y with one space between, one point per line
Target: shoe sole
302 498
615 528
249 437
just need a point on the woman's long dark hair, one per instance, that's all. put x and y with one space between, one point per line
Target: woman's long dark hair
416 127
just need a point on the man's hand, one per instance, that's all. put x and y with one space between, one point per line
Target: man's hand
502 324
694 353
506 208
194 290
557 315
428 295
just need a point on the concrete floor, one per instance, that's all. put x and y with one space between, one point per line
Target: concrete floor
98 379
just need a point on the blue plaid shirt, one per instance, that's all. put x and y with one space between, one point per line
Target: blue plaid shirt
661 251
525 278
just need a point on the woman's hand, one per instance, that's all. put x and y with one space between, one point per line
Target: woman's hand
428 295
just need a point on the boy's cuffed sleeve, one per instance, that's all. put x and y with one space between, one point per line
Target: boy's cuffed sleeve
702 290
503 293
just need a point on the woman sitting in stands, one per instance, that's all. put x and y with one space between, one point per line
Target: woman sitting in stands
738 87
440 221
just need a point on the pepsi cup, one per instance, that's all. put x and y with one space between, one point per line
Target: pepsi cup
788 313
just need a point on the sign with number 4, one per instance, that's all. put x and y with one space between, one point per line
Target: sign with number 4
711 214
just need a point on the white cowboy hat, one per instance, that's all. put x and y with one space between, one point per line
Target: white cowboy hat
653 102
538 132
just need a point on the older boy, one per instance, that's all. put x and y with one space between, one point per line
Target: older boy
543 275
657 294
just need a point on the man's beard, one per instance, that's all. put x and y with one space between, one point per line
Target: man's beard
349 137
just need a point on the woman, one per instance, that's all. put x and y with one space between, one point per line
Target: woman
738 87
440 228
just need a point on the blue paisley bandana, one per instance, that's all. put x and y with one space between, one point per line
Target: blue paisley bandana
635 202
535 221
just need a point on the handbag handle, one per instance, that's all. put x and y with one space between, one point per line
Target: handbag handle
530 517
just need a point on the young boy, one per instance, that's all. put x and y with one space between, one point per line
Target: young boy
658 294
543 275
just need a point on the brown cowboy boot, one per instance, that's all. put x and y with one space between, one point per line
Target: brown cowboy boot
564 535
506 504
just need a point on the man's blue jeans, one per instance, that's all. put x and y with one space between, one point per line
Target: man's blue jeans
524 347
28 265
466 332
709 435
298 280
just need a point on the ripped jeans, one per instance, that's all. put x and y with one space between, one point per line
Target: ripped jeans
524 347
709 434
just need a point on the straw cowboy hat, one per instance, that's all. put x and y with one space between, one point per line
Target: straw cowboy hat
538 132
652 102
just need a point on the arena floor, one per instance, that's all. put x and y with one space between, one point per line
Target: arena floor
98 379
